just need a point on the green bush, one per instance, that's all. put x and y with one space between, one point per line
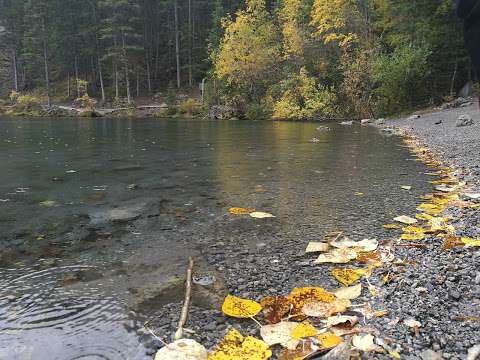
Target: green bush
189 107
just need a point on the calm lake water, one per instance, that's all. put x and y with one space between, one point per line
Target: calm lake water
84 202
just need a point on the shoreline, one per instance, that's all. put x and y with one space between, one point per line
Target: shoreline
430 283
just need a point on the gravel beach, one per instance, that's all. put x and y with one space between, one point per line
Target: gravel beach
438 288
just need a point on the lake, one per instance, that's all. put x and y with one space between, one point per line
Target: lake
93 211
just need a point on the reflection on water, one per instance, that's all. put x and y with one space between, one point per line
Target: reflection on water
91 194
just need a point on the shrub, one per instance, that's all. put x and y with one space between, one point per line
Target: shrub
256 111
189 107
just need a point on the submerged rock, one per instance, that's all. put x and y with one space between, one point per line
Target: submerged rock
464 120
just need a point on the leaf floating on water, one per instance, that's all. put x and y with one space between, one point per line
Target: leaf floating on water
406 220
261 215
304 330
49 203
329 340
349 293
337 256
183 349
315 246
235 346
275 308
240 308
391 226
240 211
347 277
280 333
406 187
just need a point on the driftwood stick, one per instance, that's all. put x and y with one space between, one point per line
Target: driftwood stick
186 303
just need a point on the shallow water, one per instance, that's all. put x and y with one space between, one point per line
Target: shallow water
170 183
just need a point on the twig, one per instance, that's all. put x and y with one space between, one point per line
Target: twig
153 334
186 303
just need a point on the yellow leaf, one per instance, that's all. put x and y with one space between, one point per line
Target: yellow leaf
471 242
413 230
240 308
303 330
322 309
349 293
315 246
423 207
391 226
347 277
280 333
424 217
300 296
235 346
394 354
412 237
240 211
329 340
337 256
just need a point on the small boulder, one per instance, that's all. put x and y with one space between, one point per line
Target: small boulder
414 117
464 120
365 121
346 123
380 121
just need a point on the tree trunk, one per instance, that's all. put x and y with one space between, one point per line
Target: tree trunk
77 83
177 43
45 61
15 70
100 75
190 72
138 82
68 85
125 64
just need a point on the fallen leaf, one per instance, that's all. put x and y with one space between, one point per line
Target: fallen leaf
49 203
445 188
471 242
451 242
315 246
304 330
406 220
364 245
349 293
240 308
414 325
364 343
337 256
300 296
369 313
412 237
341 319
261 215
329 340
406 187
413 230
473 196
280 334
240 211
341 352
391 226
347 277
303 350
234 346
374 291
372 257
183 349
322 309
275 308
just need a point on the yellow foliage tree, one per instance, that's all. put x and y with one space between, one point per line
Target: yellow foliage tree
334 21
293 34
249 49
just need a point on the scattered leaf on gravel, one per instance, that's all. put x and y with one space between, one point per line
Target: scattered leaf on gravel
337 256
364 343
406 220
341 319
451 242
303 350
347 277
349 293
304 330
445 188
183 349
315 246
275 308
364 245
300 296
413 230
472 196
341 352
240 211
371 257
240 308
329 340
280 334
391 226
413 324
471 242
406 187
234 346
322 309
261 215
412 237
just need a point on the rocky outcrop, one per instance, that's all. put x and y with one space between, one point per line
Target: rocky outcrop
222 112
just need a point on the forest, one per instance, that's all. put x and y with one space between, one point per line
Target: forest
284 59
